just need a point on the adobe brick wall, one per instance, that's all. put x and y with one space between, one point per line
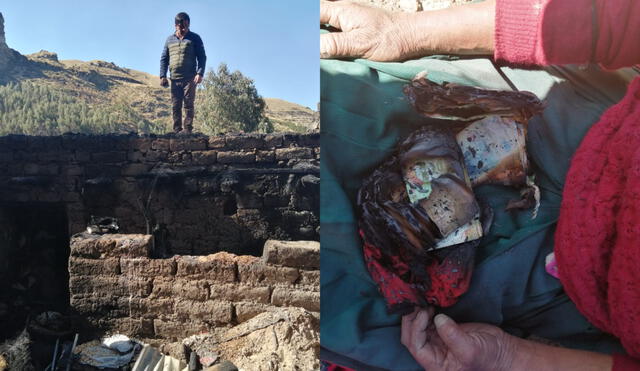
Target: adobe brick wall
116 287
221 193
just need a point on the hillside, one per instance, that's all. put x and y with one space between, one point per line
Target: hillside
287 116
42 95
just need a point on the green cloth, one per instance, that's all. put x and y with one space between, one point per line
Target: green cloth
364 115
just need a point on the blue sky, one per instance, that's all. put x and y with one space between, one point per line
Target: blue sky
274 42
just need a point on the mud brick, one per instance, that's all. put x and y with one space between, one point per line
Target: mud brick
298 254
110 245
94 267
160 145
152 308
135 156
6 156
146 267
204 157
109 157
16 141
114 285
262 274
197 290
273 140
187 144
15 169
266 156
177 330
26 156
216 142
136 169
236 157
131 327
309 278
244 142
218 312
234 293
309 140
31 169
48 156
72 170
216 267
91 303
290 140
155 156
141 144
283 296
82 156
245 310
294 153
50 169
49 196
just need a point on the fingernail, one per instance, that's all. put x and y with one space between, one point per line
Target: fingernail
440 320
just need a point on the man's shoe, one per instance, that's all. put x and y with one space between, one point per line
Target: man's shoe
188 131
177 130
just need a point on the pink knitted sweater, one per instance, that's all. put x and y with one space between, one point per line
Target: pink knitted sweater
597 242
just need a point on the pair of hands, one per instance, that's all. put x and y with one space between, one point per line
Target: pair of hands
438 343
164 82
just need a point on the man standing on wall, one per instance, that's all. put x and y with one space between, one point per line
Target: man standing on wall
184 55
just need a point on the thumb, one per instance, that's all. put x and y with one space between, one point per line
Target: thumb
339 45
457 341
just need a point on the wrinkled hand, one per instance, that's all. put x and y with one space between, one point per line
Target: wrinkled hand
197 79
441 344
367 32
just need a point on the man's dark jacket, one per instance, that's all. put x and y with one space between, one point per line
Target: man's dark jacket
185 58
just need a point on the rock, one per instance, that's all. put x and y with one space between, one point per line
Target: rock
297 254
284 339
279 339
224 366
118 342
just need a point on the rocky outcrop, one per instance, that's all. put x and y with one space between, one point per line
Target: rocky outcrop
3 41
11 62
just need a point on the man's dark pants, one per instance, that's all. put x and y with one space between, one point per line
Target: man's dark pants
183 90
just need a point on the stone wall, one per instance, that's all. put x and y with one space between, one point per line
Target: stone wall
204 194
116 287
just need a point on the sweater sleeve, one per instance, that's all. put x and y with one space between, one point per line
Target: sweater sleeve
201 56
530 32
625 363
164 60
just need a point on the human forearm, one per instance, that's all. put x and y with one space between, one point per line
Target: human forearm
372 33
530 355
462 30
